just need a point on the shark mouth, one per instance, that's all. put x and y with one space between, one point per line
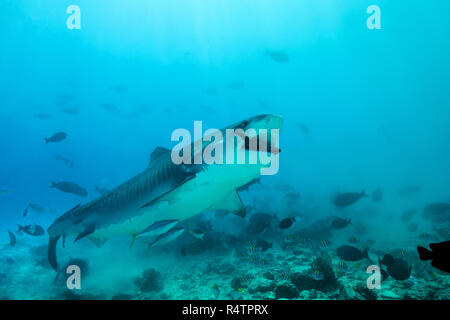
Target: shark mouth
260 144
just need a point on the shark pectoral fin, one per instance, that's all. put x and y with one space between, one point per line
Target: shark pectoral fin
98 242
232 203
89 230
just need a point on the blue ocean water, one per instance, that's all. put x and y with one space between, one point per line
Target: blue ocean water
363 109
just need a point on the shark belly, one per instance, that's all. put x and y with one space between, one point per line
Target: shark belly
208 188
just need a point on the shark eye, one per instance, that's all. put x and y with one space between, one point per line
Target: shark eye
245 123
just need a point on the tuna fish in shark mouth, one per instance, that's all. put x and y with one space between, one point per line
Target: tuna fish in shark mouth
161 193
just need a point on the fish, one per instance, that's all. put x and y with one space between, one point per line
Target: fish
325 243
156 229
163 191
263 245
350 253
303 128
36 207
278 56
348 198
197 233
5 192
352 240
259 222
377 195
409 190
64 159
216 291
286 223
290 238
317 275
342 265
439 255
72 110
69 187
291 198
26 211
438 212
399 269
408 214
167 237
57 137
32 230
340 223
12 239
43 115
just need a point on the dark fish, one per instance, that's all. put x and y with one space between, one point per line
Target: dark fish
12 239
303 128
438 212
387 259
5 192
286 223
69 187
259 222
25 212
340 223
377 195
399 269
57 137
353 240
278 56
348 198
263 245
408 214
439 255
36 207
350 253
43 115
73 110
64 159
32 230
409 190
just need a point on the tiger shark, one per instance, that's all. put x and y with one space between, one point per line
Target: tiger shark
163 192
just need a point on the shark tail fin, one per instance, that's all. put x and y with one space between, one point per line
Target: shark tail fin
53 184
46 140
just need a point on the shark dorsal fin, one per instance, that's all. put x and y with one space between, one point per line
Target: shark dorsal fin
158 152
231 203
